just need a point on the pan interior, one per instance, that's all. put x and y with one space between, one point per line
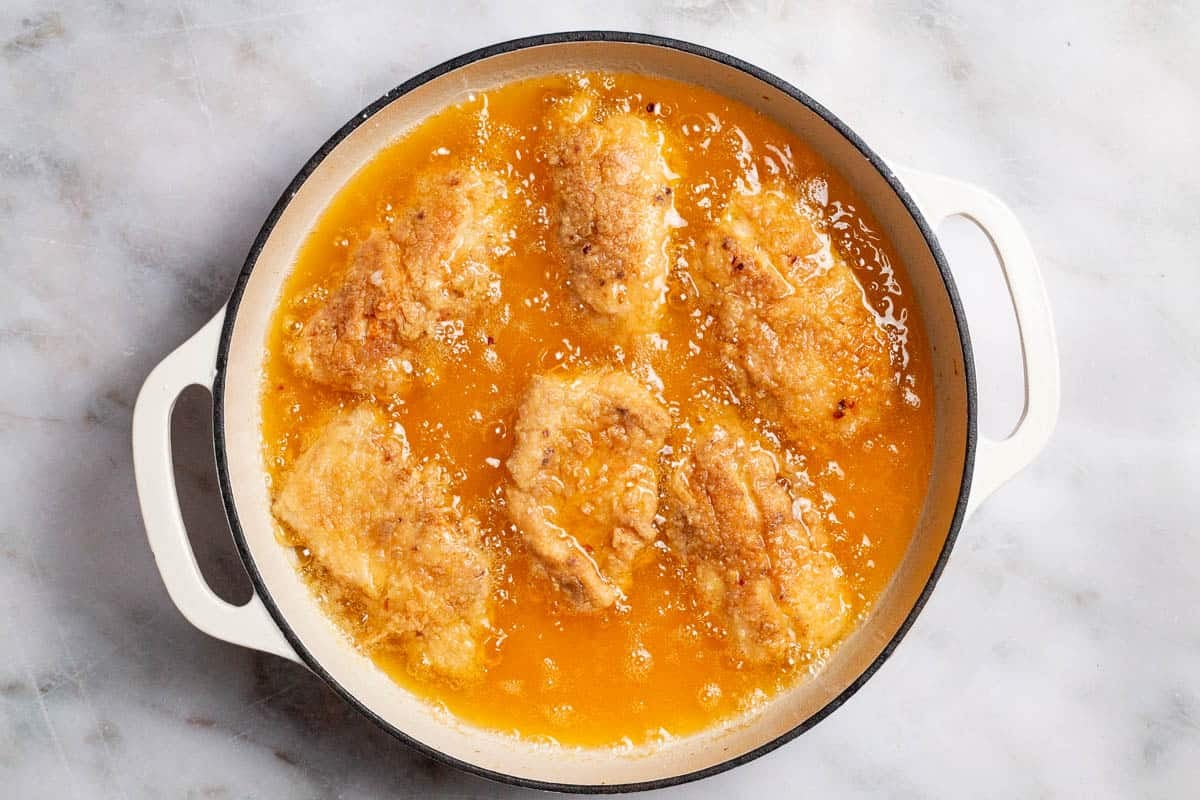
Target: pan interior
325 647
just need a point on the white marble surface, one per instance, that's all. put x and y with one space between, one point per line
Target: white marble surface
142 144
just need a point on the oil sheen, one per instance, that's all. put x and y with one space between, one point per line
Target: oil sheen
646 669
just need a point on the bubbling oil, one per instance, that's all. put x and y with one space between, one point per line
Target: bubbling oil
654 666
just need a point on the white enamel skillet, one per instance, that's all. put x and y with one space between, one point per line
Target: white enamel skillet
283 618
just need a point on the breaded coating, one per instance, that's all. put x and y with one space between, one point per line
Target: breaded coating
584 488
611 207
758 562
409 287
791 320
390 534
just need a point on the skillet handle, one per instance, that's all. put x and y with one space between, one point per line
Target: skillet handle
998 460
192 364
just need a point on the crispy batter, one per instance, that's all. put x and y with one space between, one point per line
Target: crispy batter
405 284
584 486
612 201
759 563
386 529
791 320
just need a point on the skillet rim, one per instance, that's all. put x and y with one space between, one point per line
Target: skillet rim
512 45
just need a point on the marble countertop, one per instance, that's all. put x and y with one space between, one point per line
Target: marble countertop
141 146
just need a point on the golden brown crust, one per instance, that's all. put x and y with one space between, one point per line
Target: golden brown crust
612 201
792 322
759 564
584 488
387 532
408 287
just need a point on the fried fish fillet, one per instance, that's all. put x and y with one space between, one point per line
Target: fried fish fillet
584 488
611 207
409 286
387 529
791 320
759 564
